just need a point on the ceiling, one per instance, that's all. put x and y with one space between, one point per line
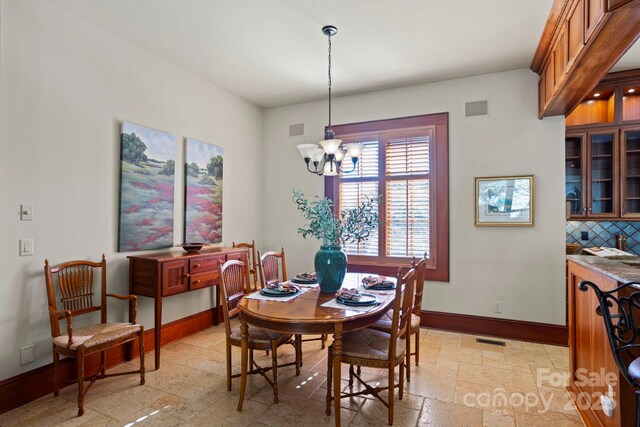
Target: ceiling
630 60
272 52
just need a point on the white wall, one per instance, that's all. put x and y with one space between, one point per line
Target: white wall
522 267
65 86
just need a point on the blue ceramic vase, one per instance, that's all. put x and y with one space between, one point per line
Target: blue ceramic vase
331 266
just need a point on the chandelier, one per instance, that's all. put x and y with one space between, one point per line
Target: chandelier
327 158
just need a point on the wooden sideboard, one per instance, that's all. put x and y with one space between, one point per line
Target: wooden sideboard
164 274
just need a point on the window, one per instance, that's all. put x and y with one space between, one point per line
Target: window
406 162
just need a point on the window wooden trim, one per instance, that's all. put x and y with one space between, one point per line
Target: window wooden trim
439 269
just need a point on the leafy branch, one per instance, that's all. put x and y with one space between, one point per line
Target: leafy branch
354 225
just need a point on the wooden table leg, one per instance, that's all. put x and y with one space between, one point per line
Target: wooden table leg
158 328
337 369
244 349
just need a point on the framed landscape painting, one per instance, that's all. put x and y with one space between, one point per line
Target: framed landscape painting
504 201
203 192
147 180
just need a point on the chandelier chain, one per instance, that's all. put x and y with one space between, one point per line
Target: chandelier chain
329 81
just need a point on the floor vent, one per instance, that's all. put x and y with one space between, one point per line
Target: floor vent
492 342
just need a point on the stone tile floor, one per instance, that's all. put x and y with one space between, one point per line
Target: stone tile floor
459 383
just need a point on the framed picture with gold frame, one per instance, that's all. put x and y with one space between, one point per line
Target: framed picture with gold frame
504 201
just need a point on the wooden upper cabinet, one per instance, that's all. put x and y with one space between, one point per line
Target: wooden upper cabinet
602 173
549 77
560 58
630 172
582 40
542 99
575 31
593 12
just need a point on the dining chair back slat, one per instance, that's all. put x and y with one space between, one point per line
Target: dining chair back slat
234 276
273 267
420 268
252 261
402 308
76 286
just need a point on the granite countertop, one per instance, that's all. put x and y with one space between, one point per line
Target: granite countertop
615 269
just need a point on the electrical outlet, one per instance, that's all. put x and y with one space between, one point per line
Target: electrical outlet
584 235
497 306
27 354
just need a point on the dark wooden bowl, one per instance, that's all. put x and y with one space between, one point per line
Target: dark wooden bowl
192 248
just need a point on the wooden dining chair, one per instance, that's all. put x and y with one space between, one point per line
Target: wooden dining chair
377 349
270 265
384 324
235 283
253 261
75 283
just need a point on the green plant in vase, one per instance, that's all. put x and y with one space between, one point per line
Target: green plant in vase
351 226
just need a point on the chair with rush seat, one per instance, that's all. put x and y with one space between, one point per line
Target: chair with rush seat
269 266
377 349
272 267
75 286
384 324
235 283
620 310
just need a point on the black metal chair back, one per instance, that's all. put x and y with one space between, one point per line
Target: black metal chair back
621 313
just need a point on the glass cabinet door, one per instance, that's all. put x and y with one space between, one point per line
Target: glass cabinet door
574 176
630 172
602 174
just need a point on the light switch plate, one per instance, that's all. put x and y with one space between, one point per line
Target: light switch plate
26 247
26 212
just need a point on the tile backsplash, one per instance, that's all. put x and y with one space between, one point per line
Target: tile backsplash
601 233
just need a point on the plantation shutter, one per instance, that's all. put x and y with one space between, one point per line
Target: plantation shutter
407 195
351 195
356 186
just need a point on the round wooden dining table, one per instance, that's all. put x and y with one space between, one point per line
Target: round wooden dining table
305 315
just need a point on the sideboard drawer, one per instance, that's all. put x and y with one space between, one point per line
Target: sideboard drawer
204 280
202 265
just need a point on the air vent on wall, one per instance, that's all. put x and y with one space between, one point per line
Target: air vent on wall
296 130
476 108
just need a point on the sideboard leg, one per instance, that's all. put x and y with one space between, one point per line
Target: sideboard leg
158 329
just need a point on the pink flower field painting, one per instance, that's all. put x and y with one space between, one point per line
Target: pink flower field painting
147 177
203 192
